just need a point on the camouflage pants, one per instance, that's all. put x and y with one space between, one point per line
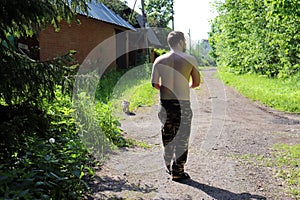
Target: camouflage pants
176 117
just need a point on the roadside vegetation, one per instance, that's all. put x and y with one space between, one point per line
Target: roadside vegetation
41 153
132 85
51 144
284 161
52 140
280 94
262 63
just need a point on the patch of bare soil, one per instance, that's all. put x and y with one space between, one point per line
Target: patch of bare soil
226 127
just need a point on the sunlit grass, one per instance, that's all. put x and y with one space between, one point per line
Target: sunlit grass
142 95
283 95
133 86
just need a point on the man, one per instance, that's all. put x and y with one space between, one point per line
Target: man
170 75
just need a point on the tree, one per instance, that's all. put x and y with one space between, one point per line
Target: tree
30 111
24 80
122 10
239 41
159 12
28 84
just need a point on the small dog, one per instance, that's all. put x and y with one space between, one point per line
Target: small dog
125 106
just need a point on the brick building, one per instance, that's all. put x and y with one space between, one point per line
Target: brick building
95 27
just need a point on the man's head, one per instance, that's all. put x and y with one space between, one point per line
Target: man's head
176 39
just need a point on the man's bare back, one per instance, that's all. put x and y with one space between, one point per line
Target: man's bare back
172 73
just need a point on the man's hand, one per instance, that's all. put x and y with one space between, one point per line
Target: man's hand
156 85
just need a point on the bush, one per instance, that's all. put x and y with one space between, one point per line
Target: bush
106 85
93 113
110 125
44 161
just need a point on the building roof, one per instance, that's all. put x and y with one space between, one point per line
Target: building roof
100 12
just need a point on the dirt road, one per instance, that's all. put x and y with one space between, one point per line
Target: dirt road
226 127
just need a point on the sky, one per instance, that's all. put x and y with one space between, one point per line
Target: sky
193 15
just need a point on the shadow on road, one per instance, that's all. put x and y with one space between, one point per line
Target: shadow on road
100 185
221 194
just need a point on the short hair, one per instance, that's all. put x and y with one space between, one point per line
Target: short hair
174 38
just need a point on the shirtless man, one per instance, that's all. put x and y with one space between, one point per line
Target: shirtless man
171 76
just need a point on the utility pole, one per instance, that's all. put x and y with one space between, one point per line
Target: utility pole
144 14
190 43
145 26
198 47
172 15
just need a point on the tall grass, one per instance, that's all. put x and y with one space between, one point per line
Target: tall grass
283 95
132 85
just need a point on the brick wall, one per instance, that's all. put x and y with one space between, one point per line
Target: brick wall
83 38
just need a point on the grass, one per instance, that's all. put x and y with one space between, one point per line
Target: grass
142 95
287 164
140 144
283 95
132 85
284 162
138 93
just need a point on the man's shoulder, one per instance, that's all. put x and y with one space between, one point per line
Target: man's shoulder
163 57
187 56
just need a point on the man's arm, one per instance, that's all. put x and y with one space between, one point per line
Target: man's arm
155 77
195 74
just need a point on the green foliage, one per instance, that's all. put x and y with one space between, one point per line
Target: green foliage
93 113
119 84
142 95
25 81
240 42
88 125
160 52
122 10
159 12
106 85
34 112
110 125
25 18
16 124
134 86
280 94
47 160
